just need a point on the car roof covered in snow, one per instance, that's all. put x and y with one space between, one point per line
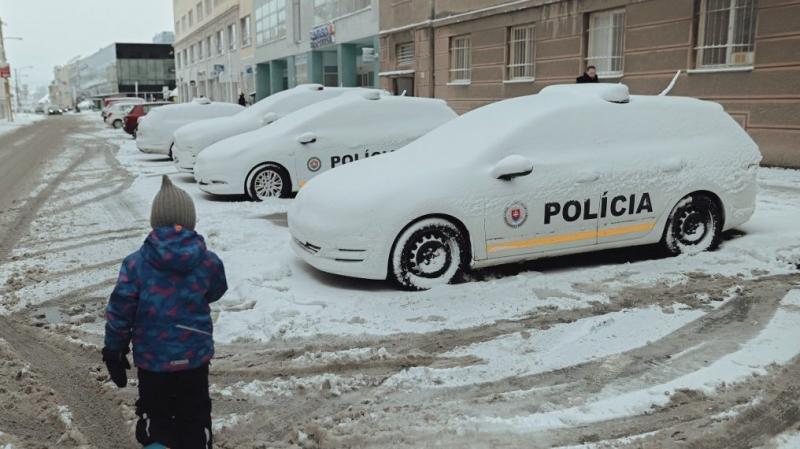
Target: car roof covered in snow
290 100
197 109
588 116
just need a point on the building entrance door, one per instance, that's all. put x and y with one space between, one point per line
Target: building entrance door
404 84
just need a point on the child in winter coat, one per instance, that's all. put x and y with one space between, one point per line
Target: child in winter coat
161 305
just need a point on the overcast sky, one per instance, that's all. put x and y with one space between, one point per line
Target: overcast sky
54 31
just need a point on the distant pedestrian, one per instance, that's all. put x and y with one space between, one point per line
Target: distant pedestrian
161 305
589 76
242 101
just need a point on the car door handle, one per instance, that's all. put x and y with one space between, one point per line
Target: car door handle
587 177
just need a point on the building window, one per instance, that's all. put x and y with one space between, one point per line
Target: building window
191 54
177 28
177 60
327 10
183 23
726 30
297 16
270 20
232 36
219 42
200 50
208 47
606 32
185 57
405 53
199 9
191 18
244 27
460 59
521 50
330 75
208 7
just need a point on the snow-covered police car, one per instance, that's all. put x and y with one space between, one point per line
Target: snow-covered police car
156 129
278 159
191 139
572 169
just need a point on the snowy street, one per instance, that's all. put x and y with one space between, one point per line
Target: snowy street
623 348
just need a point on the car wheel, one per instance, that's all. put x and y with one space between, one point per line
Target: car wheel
693 226
134 133
428 253
171 157
269 181
117 124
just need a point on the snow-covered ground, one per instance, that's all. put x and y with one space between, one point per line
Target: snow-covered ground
20 120
502 334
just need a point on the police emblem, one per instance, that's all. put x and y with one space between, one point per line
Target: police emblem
516 214
314 164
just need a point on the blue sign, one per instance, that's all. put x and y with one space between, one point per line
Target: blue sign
323 35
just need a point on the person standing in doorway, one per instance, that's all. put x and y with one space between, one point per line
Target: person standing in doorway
589 76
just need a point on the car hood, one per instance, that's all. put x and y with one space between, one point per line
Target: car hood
380 192
199 135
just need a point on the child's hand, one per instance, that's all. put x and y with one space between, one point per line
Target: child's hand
116 364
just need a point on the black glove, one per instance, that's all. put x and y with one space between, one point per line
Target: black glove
116 364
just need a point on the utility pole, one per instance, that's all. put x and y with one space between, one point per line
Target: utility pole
6 83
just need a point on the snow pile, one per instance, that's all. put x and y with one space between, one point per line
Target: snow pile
327 383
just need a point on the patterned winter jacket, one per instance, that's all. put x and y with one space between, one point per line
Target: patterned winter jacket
161 301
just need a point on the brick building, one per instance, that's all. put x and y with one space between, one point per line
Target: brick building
744 54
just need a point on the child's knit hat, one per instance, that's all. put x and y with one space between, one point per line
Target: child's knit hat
172 206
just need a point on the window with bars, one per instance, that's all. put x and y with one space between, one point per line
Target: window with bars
405 53
726 30
606 42
270 20
460 59
520 53
327 10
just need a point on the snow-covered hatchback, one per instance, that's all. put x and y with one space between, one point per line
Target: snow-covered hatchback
572 169
278 159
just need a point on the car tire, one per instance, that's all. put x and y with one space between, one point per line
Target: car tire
429 253
269 181
117 124
693 226
171 157
134 133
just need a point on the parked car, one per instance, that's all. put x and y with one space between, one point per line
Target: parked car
131 120
54 110
156 129
116 114
573 169
278 159
109 102
191 139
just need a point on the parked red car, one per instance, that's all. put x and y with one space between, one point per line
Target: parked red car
131 124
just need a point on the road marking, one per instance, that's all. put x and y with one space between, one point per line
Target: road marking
572 237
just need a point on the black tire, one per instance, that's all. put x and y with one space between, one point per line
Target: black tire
171 157
694 225
117 124
429 253
269 181
134 133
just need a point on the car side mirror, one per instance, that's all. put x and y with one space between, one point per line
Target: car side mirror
511 167
268 118
306 138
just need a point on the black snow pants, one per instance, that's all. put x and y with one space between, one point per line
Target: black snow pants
174 409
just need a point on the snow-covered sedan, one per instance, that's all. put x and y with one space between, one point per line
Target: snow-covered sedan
278 159
116 113
573 169
156 129
191 139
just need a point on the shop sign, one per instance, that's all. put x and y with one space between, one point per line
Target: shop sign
323 35
5 71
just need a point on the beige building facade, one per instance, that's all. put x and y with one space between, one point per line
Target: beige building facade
744 54
213 49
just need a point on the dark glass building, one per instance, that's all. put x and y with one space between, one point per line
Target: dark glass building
120 69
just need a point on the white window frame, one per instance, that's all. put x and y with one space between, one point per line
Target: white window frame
246 30
231 31
733 59
270 20
460 50
521 53
610 36
220 42
405 53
